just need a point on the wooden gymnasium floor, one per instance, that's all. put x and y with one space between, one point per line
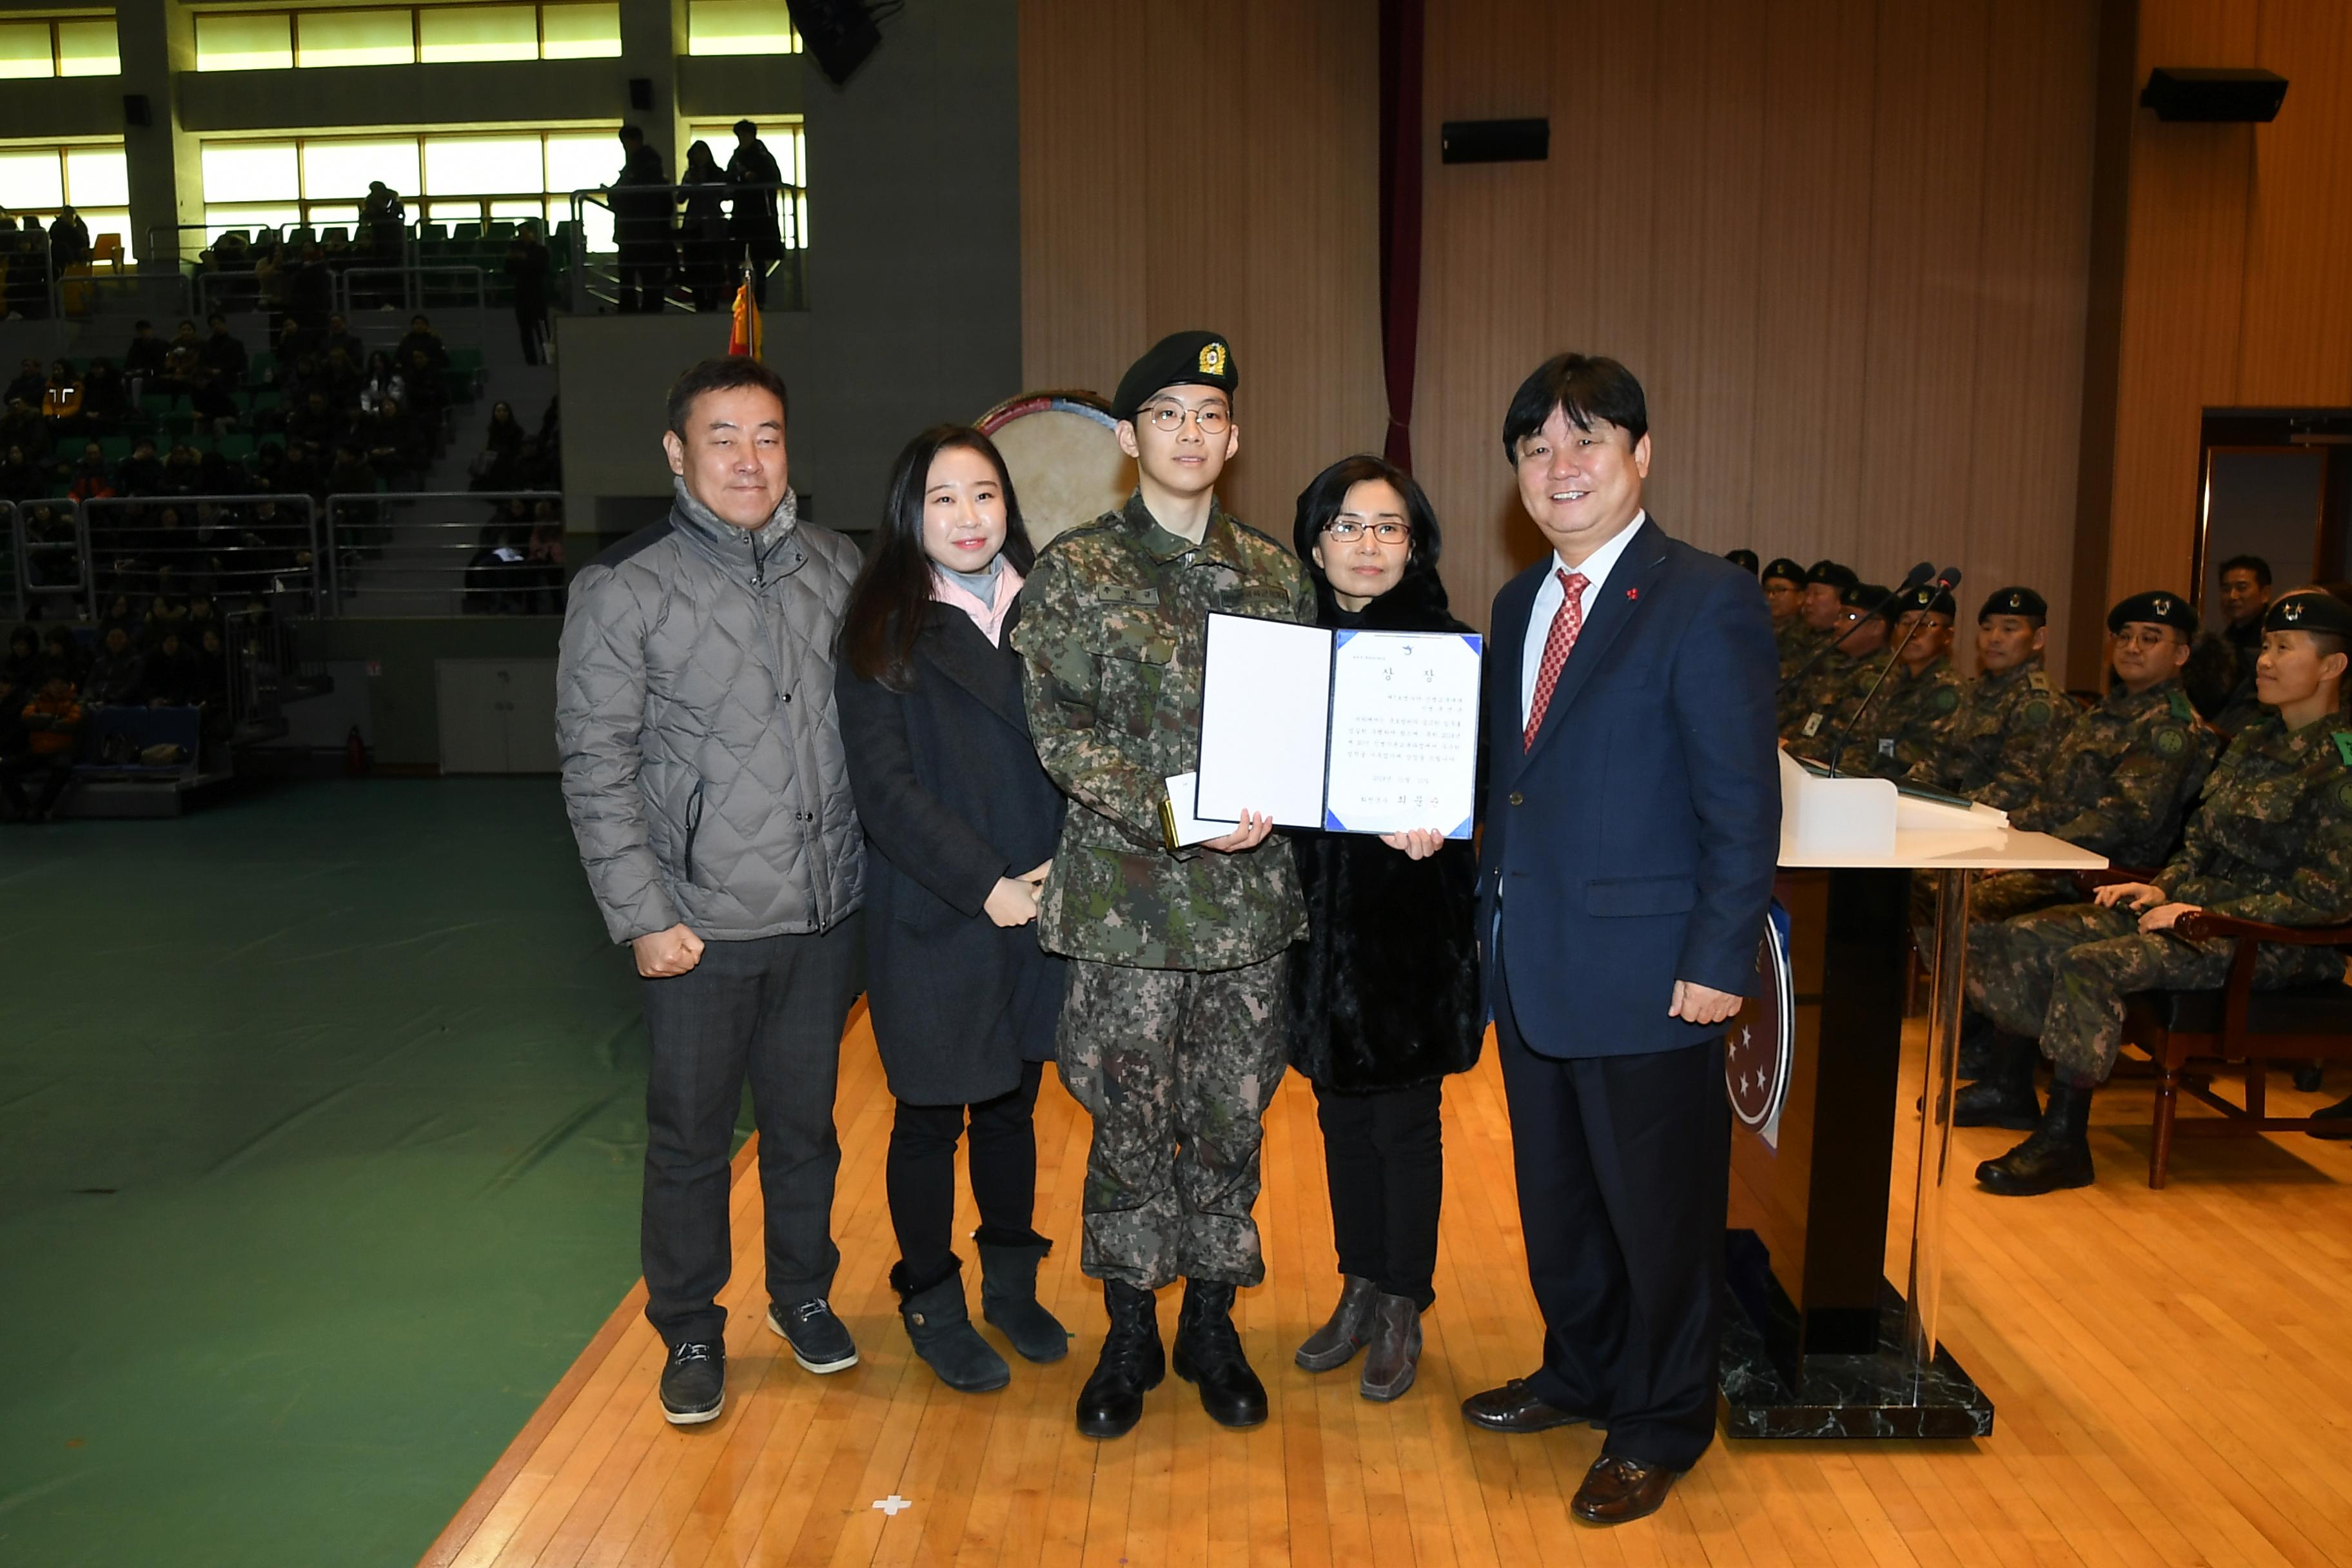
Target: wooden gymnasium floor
2171 1369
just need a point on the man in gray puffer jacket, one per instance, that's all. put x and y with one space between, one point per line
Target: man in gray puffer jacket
704 777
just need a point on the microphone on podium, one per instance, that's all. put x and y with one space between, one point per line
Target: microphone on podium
1946 581
1911 579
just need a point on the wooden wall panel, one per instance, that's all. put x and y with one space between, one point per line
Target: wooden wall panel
1210 165
2233 265
1844 244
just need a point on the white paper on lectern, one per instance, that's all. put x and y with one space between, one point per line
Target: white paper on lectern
1265 708
1404 733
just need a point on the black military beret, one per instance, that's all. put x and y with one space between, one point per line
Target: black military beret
1180 359
2309 610
1926 596
1741 558
1786 569
2158 608
1857 595
2015 602
1831 573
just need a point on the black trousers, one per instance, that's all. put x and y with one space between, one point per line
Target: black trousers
1624 1165
531 326
56 770
772 1010
920 1173
1384 1156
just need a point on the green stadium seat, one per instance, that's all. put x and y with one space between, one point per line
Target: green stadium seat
114 448
303 236
338 233
466 358
502 230
432 231
467 231
267 400
236 447
155 404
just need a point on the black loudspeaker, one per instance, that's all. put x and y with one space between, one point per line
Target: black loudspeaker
1494 142
134 109
641 93
2179 93
839 33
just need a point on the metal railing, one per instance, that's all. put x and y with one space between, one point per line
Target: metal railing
409 554
413 291
661 265
235 547
49 555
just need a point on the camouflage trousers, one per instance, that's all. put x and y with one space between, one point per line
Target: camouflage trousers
2060 975
2002 896
1176 1067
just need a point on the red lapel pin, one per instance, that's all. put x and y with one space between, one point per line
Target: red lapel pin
1633 593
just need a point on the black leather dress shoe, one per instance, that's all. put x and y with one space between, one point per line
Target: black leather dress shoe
1516 1407
1617 1491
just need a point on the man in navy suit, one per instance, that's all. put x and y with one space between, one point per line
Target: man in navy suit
1633 822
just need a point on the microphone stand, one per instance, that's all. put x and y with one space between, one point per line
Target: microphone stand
1797 676
1837 749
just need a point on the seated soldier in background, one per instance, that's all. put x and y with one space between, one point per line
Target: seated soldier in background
2010 715
1855 658
1906 722
1819 611
2220 671
2117 782
1784 596
2271 841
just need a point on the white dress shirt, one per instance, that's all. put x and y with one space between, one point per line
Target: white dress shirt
1548 596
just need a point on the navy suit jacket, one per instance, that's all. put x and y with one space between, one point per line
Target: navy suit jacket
1635 845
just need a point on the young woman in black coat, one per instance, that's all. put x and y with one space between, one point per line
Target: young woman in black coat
1384 993
962 821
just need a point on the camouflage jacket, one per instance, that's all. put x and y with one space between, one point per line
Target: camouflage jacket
1907 725
2123 775
2000 737
1112 623
1798 643
1795 641
2272 840
1832 694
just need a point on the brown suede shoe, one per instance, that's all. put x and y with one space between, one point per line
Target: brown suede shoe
1514 1408
1617 1491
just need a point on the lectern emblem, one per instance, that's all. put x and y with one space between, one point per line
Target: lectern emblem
1755 1049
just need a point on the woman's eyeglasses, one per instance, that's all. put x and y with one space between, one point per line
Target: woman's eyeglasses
1347 531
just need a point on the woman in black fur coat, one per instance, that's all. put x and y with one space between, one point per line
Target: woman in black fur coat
1384 991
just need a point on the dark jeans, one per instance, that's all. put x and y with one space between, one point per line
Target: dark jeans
56 766
772 1008
920 1175
1384 1155
531 325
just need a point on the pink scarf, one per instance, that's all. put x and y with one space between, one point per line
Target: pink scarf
989 618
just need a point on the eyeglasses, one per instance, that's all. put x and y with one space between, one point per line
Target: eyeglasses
1347 531
1212 420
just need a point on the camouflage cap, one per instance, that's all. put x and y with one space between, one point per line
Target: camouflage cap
2015 602
2156 607
2309 610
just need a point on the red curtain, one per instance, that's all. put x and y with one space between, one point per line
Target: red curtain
1400 49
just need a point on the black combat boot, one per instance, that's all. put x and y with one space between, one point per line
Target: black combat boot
1132 1363
2003 1097
2057 1155
1976 1044
1008 1299
1209 1355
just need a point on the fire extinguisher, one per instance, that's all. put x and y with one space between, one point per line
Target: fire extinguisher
355 755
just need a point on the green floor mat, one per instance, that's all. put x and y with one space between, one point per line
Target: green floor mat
320 1130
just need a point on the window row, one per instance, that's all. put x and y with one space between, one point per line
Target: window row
59 46
39 182
442 34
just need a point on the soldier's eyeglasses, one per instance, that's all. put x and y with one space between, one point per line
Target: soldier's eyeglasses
1347 531
1212 420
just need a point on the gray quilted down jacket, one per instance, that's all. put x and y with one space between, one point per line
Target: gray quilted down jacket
694 712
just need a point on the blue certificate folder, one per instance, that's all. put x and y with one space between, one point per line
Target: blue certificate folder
1350 732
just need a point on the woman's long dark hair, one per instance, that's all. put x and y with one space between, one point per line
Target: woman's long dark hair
892 596
1327 493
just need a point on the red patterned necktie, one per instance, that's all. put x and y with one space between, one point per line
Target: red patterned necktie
1567 622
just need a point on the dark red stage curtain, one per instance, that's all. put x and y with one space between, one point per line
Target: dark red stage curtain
1401 39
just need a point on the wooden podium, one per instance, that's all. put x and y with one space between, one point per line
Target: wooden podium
1817 1341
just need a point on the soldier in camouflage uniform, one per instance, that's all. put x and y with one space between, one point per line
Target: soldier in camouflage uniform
1909 718
1784 594
1171 1036
2010 716
2271 841
1857 657
2118 784
1819 616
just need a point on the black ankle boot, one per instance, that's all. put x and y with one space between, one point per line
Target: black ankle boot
1976 1044
1209 1355
2057 1155
940 1326
2004 1096
1008 1299
1132 1363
